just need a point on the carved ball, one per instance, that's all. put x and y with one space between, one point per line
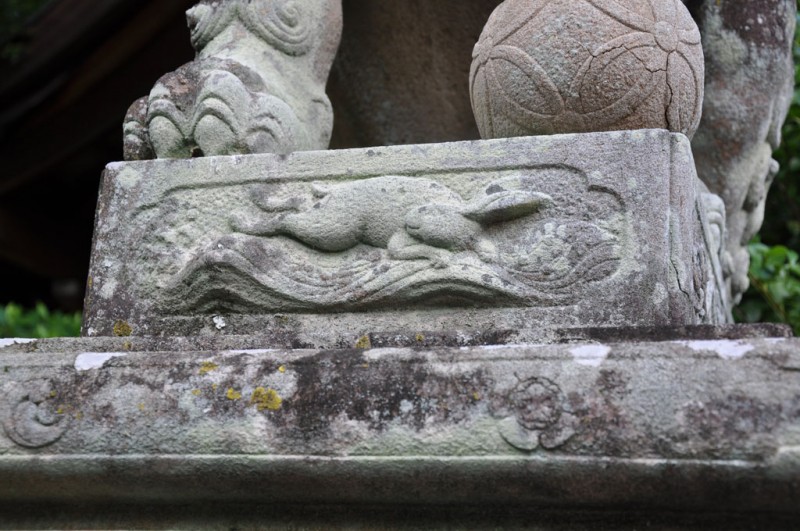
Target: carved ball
577 66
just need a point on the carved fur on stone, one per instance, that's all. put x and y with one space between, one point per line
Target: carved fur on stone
256 86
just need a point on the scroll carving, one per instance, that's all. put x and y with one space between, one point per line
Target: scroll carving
29 416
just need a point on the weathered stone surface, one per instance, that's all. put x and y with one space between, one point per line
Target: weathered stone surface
390 49
256 86
704 426
544 67
607 229
749 87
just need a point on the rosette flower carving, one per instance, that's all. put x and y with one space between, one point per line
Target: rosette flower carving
544 67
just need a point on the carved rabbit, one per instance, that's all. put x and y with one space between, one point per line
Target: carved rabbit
410 217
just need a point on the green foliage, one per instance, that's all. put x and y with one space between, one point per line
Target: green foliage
775 278
38 322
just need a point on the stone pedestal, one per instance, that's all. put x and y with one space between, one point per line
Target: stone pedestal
697 433
605 229
523 330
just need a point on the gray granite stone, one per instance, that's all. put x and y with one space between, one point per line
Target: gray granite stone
698 426
607 229
257 84
749 87
557 66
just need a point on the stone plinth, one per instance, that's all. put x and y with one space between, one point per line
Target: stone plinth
692 426
606 229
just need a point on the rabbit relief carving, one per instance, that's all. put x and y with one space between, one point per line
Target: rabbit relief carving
412 218
257 84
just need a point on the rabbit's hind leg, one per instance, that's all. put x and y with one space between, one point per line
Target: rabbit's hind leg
404 247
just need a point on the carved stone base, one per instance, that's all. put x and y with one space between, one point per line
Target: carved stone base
693 426
606 229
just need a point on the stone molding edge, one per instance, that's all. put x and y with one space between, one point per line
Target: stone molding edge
577 483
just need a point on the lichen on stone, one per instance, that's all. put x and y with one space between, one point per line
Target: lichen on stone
364 342
207 367
266 399
233 394
122 329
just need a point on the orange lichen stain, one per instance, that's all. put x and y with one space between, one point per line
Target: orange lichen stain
122 329
266 399
196 392
207 367
233 394
281 369
364 342
420 338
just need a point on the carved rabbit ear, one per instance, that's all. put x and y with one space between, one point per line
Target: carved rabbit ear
505 206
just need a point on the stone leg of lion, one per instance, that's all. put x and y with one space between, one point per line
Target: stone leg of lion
749 87
257 84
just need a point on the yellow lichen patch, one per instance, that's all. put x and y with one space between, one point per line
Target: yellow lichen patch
196 392
266 399
53 394
364 342
365 366
281 369
420 338
89 282
78 415
141 407
476 396
207 367
127 345
233 394
60 411
214 386
122 329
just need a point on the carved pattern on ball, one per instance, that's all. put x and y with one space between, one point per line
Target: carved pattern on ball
558 66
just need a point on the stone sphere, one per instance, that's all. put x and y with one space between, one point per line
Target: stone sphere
577 66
